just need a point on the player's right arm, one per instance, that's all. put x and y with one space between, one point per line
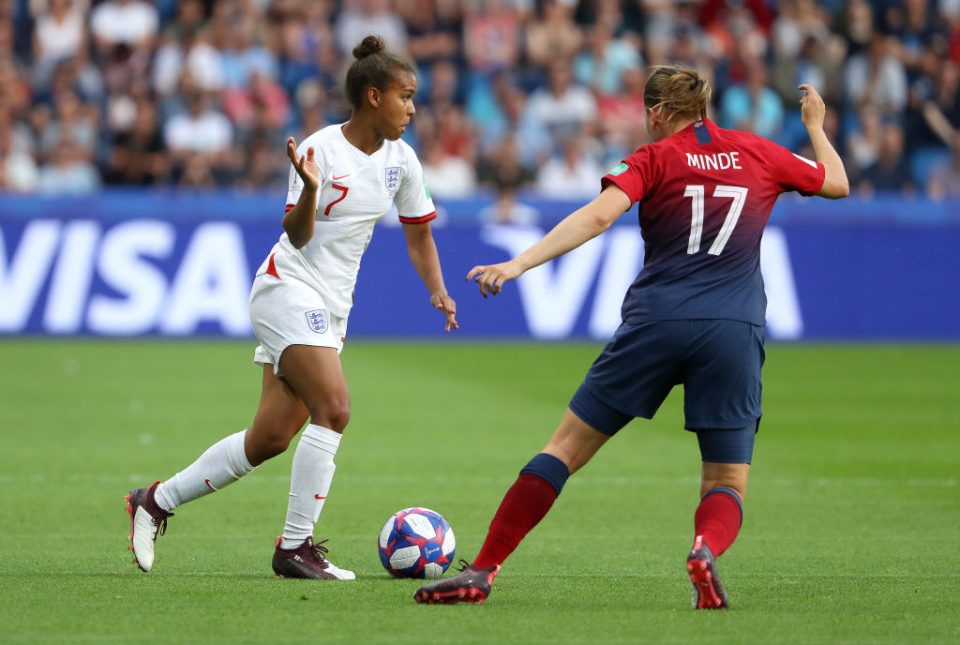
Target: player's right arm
812 113
582 225
298 221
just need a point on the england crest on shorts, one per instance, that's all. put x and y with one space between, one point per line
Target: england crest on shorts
317 320
391 177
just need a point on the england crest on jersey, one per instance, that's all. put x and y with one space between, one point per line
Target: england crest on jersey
317 320
391 177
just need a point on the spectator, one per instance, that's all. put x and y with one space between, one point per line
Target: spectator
59 32
244 56
507 210
817 62
602 64
504 169
864 143
137 155
264 169
622 119
262 102
129 24
69 171
362 17
447 176
876 77
72 124
753 106
18 170
443 85
890 171
856 25
572 175
944 179
941 111
190 53
433 30
201 131
563 107
554 37
491 35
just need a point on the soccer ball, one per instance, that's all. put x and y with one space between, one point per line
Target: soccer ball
416 543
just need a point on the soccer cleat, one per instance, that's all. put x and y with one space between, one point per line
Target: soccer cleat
708 593
472 585
147 521
307 561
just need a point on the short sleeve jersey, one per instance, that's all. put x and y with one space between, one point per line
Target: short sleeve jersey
356 190
705 195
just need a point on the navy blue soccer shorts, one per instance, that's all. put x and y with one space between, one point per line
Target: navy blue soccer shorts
718 362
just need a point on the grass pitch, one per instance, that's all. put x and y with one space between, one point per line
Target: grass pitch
851 529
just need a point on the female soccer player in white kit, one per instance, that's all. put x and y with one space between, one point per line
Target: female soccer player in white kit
344 178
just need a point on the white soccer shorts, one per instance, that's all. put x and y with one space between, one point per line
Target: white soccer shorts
286 312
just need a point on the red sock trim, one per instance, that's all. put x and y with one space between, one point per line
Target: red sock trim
522 508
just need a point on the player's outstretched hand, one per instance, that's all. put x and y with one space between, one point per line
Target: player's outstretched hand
306 166
812 109
443 303
491 278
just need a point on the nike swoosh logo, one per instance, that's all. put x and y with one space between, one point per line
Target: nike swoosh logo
209 485
319 497
335 178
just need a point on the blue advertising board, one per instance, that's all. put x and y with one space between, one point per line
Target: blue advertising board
138 265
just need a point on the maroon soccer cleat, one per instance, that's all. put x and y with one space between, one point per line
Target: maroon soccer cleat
147 521
307 561
708 593
470 585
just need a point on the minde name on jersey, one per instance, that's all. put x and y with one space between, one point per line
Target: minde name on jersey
716 161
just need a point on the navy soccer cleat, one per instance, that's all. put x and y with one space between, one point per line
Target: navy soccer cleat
147 521
470 585
708 593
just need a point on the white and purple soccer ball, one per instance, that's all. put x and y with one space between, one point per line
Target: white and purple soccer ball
416 543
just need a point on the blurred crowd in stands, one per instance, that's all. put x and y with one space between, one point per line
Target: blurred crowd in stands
515 95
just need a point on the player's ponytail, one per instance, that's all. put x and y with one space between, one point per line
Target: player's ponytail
373 66
678 92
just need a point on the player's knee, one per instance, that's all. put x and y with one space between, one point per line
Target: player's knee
267 443
331 412
735 485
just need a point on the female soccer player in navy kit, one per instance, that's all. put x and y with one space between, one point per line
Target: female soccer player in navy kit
694 315
343 179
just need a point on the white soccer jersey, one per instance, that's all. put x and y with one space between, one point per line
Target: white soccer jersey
356 190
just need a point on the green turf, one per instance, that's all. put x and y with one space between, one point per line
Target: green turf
851 533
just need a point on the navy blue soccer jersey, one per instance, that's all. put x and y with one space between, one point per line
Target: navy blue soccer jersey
705 195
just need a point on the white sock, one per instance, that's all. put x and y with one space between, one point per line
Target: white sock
222 463
310 479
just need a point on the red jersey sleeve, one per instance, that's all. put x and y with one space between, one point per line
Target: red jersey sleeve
633 175
793 172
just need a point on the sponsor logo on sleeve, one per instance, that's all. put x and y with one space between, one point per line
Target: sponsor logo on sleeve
620 168
317 320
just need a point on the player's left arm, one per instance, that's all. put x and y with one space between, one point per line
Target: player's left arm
812 112
426 260
582 225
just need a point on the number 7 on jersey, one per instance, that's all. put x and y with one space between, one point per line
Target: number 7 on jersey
739 196
344 190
